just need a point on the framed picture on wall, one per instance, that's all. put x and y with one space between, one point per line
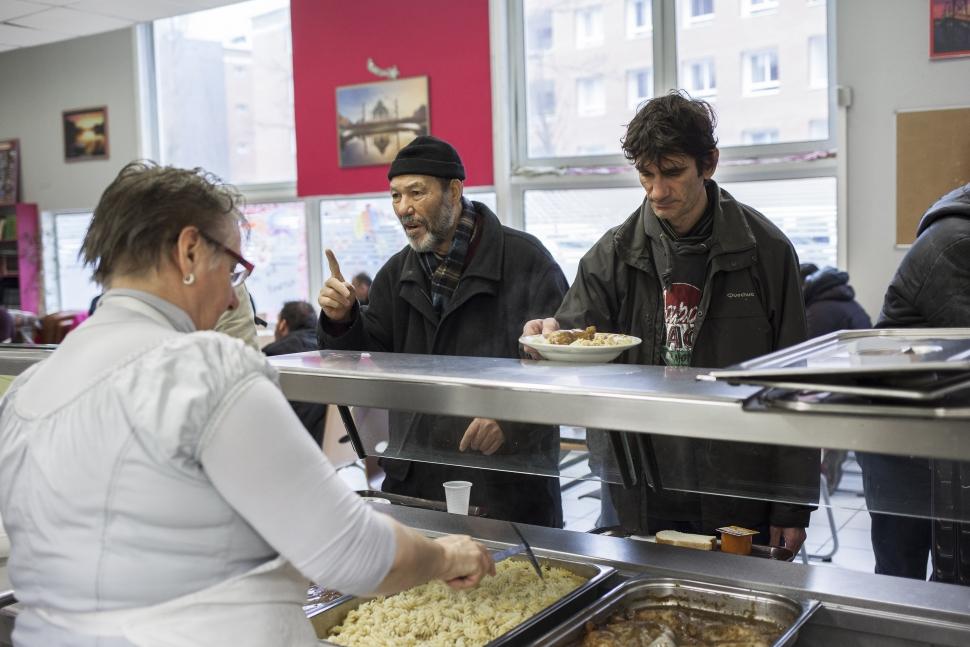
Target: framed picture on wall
376 120
949 28
86 134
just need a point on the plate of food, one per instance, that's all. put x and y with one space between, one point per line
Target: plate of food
580 345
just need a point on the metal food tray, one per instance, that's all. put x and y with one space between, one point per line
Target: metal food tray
326 619
642 592
860 352
927 391
845 405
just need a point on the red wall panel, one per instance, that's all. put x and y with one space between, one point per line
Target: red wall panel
445 40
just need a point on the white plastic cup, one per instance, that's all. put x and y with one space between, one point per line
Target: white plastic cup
457 494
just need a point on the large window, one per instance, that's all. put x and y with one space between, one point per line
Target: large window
598 76
68 284
763 78
277 244
224 82
570 221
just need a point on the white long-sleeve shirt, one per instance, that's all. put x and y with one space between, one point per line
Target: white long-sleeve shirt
143 461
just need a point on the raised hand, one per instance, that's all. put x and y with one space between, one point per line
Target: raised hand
337 296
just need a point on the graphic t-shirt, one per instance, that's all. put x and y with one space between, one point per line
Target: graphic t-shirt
684 273
680 315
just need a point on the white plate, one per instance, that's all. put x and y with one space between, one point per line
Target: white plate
591 354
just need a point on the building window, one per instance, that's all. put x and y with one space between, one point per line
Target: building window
639 18
818 62
539 37
201 75
590 96
754 7
589 27
639 86
818 129
699 11
761 72
753 137
699 78
544 97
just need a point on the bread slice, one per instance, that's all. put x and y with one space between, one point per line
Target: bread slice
686 540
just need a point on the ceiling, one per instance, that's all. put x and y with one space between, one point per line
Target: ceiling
25 23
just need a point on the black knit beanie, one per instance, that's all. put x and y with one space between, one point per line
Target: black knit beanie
428 155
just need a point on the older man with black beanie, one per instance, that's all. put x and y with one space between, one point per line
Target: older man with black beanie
464 286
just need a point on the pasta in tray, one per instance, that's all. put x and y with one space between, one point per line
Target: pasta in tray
434 615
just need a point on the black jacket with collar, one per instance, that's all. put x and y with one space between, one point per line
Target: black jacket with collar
510 279
751 304
931 289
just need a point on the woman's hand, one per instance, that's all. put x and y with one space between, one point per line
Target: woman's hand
465 561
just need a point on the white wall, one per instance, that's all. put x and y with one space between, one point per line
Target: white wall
883 55
38 83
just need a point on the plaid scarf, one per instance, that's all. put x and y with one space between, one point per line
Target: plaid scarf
445 272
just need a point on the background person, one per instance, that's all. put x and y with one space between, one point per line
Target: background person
830 306
362 283
155 485
931 289
463 286
705 281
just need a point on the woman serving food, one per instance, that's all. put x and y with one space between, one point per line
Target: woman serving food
156 486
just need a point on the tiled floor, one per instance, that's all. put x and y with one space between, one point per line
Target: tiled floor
848 510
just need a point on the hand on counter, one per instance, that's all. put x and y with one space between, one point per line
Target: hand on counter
535 327
337 296
484 435
466 561
790 538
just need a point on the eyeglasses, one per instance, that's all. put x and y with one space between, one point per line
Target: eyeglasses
238 274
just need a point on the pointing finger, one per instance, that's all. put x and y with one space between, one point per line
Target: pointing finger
334 265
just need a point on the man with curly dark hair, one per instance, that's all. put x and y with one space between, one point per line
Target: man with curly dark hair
705 281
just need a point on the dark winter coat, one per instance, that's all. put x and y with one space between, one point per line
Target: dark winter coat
751 304
931 289
510 279
311 414
830 303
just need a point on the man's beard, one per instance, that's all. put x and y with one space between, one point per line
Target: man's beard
436 229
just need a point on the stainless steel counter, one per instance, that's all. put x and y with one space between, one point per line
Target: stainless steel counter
649 399
858 609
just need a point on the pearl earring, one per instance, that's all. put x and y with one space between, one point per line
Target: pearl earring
189 279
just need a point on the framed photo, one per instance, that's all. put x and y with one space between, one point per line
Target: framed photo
86 134
949 28
376 120
9 172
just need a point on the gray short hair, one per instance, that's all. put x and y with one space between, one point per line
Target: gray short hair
142 212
